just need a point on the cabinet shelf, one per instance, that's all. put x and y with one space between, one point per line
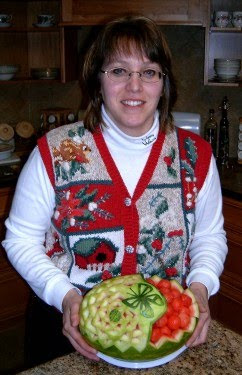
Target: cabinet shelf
30 80
17 29
214 82
226 29
37 47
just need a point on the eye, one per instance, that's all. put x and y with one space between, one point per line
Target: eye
118 72
149 73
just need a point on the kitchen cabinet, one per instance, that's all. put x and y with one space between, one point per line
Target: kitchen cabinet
96 12
226 306
14 292
223 43
24 44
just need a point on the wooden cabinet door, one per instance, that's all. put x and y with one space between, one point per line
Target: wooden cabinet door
14 292
94 12
226 306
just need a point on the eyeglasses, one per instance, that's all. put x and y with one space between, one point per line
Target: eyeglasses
123 75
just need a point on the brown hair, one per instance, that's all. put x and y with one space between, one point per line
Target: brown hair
121 36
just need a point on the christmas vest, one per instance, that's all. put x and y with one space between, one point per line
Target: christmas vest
98 230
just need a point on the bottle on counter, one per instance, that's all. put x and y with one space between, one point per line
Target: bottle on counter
223 147
240 142
210 131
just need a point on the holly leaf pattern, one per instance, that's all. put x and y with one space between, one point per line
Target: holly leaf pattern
171 262
71 133
172 172
81 131
162 207
191 151
173 153
96 278
141 258
187 168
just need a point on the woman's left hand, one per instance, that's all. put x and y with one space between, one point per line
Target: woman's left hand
199 336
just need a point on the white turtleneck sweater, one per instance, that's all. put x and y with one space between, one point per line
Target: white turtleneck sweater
129 153
34 202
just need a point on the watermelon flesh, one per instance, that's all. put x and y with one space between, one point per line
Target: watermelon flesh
130 318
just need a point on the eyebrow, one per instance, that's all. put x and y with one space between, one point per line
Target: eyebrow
125 63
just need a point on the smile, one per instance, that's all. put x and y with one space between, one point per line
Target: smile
132 103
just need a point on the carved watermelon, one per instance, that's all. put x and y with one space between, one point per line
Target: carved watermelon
128 317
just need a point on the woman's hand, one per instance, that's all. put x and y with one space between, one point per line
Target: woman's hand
199 336
71 305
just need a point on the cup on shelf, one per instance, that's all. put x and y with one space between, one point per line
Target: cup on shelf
45 20
5 20
222 18
237 19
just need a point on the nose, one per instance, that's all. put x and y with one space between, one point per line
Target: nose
134 83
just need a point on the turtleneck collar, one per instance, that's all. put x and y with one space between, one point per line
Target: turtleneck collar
114 136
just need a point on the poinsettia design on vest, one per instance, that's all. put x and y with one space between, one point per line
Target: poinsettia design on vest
71 155
78 209
188 166
169 160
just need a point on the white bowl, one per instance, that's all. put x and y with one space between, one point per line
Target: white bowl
9 68
5 151
6 76
236 62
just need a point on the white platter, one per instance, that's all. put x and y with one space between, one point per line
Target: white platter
142 364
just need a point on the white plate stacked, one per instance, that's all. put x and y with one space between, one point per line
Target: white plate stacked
227 69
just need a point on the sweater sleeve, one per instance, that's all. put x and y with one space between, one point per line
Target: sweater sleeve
208 248
27 224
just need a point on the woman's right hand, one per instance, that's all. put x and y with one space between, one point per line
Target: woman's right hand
71 319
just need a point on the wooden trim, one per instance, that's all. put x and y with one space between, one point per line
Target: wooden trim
66 11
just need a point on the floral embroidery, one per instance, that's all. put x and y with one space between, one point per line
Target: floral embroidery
71 154
79 209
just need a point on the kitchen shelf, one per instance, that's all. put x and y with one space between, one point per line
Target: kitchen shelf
37 47
221 43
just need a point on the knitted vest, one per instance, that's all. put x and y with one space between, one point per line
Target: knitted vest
98 230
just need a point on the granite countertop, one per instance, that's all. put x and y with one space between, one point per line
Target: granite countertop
221 355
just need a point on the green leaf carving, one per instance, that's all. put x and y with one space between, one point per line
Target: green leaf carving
143 299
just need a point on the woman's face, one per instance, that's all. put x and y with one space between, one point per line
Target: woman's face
131 104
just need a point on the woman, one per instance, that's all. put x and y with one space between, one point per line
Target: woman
126 193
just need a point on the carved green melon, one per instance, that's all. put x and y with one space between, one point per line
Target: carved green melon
117 316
